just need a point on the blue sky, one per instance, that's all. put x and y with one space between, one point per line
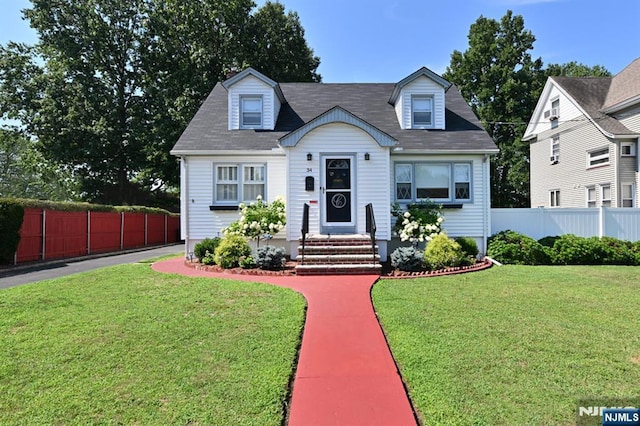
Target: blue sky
386 40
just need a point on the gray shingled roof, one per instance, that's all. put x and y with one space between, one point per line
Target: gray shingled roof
595 94
208 130
624 86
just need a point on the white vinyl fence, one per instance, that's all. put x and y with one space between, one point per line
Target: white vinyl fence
621 223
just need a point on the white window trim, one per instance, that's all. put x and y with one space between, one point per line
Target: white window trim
602 198
554 198
554 158
633 194
595 196
632 150
241 112
431 125
452 182
240 183
590 158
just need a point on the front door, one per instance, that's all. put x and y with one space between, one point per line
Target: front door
338 195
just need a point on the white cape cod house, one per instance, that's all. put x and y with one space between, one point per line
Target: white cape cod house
335 148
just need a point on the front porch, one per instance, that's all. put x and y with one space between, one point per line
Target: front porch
326 254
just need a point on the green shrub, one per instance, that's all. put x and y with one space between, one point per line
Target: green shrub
636 251
11 217
247 262
408 259
548 241
514 248
443 252
469 246
570 249
230 250
271 258
617 252
209 258
207 245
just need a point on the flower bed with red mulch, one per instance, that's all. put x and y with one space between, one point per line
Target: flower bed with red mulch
387 270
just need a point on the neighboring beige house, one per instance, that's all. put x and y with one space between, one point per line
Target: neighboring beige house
335 148
583 139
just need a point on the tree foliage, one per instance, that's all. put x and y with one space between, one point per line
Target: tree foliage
575 69
502 83
25 173
500 80
112 84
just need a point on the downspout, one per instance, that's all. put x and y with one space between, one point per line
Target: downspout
487 203
184 207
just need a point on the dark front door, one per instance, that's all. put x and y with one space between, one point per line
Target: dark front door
338 194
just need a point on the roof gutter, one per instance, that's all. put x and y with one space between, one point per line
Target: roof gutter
206 152
403 151
622 105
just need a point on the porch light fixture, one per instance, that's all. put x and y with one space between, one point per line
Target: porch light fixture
366 156
309 157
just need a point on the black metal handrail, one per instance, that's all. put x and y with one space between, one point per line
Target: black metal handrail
370 227
305 228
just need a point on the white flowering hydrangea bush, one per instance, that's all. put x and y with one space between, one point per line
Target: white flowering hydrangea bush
259 220
420 223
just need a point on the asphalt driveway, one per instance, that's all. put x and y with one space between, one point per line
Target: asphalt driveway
14 276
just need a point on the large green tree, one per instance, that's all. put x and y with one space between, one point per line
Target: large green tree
500 80
502 83
112 83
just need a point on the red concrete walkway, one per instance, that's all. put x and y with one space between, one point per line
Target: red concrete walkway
345 374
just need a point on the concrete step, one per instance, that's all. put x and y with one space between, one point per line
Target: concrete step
350 249
338 258
341 269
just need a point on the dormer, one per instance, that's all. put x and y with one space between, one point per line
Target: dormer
419 100
254 101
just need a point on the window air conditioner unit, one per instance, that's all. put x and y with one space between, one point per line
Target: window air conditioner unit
554 113
547 113
554 159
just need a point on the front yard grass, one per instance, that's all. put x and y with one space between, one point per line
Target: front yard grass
127 345
514 345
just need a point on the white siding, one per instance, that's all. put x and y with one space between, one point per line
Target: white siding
570 175
202 222
371 181
630 118
251 85
472 220
568 111
421 86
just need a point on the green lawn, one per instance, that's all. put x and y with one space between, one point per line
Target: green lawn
126 345
514 345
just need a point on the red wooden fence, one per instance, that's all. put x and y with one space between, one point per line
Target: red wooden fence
51 234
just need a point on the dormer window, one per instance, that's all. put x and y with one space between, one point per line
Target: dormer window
251 112
421 111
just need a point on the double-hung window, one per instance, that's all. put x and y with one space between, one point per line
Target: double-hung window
440 182
591 196
598 157
251 112
235 183
627 194
605 192
555 149
421 111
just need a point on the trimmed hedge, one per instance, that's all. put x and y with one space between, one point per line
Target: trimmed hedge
11 217
514 248
83 207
